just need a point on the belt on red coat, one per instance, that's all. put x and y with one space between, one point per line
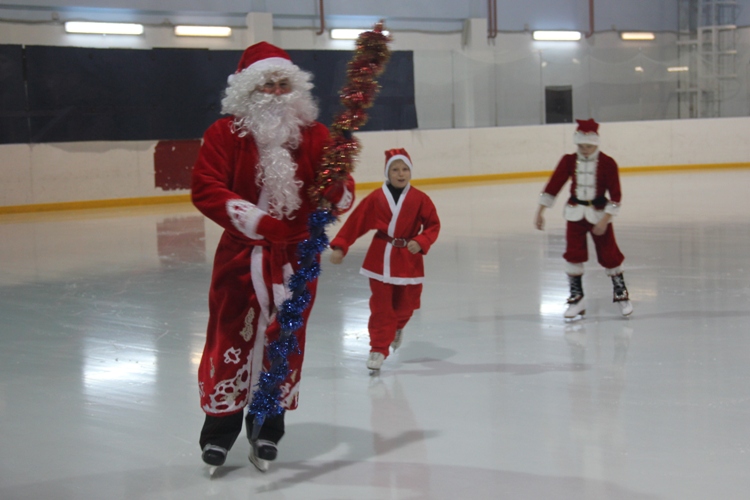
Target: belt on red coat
597 202
396 242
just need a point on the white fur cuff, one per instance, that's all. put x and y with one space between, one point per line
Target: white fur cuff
245 217
346 200
614 271
612 208
573 269
546 200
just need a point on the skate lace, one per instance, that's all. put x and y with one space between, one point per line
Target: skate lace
576 289
620 290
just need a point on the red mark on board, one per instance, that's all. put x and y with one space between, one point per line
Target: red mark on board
173 163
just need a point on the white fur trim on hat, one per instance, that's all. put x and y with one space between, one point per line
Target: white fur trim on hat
586 138
269 63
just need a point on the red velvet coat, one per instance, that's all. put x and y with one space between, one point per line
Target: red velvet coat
225 170
414 217
607 177
249 274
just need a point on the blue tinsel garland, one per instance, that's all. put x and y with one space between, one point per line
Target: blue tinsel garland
266 398
370 58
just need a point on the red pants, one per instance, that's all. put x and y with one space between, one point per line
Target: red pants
607 252
391 306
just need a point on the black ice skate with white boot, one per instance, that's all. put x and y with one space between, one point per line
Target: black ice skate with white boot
620 295
576 305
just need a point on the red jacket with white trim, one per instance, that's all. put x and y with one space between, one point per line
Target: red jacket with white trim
414 217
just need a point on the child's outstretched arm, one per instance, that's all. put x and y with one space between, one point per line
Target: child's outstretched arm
355 226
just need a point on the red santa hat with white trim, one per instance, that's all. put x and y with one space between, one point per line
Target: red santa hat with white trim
587 132
263 56
392 155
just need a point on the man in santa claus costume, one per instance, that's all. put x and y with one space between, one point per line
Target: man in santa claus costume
406 225
252 177
593 175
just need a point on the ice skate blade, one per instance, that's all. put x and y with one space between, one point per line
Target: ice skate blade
259 463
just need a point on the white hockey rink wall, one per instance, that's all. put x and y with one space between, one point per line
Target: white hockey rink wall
36 177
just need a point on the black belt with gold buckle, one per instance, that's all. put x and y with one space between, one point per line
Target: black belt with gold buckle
396 242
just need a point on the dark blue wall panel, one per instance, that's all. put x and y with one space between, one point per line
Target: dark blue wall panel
83 94
14 125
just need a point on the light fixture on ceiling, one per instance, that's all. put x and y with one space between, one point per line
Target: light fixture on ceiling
557 36
348 34
103 28
637 35
217 31
677 69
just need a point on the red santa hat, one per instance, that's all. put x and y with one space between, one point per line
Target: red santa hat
587 132
392 155
263 56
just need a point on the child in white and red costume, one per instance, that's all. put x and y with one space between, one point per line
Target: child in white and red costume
407 225
593 175
252 178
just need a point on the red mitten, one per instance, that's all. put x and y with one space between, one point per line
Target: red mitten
281 231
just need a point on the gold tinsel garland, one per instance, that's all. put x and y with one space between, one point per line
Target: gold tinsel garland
357 95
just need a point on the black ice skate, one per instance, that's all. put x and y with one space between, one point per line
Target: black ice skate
620 295
576 305
261 453
214 455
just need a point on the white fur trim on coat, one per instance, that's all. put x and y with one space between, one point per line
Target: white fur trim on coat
245 217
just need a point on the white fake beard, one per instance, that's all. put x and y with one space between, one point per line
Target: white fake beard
275 123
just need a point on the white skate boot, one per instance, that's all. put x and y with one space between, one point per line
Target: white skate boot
375 361
626 308
575 309
397 339
620 295
576 305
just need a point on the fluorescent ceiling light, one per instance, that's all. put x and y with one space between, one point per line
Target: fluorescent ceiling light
103 28
637 35
348 34
224 31
674 69
639 69
557 36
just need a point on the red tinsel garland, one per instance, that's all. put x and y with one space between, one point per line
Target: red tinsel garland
358 94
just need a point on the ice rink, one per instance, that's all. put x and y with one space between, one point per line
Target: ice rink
492 395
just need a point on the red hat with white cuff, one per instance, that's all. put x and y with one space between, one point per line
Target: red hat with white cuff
392 155
587 132
262 56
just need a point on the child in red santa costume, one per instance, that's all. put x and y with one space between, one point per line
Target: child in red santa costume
406 225
252 178
593 175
